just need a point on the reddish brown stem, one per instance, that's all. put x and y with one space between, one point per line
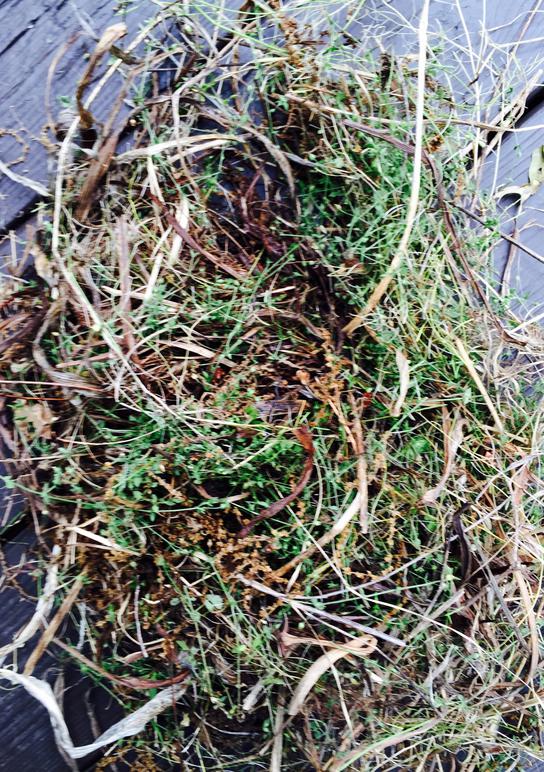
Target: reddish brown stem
304 437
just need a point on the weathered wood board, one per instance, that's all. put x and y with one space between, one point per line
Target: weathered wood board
32 34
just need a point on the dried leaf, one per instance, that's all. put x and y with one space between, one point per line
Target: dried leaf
153 180
346 762
34 419
288 642
194 145
276 756
49 633
194 348
101 540
219 262
127 727
536 169
404 374
364 645
110 36
97 169
536 178
26 182
279 157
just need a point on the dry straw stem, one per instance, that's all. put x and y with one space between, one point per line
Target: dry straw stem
338 765
356 507
413 204
467 361
53 626
195 145
43 608
319 613
130 725
363 646
277 745
404 376
127 682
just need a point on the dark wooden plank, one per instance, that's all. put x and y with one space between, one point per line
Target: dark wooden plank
509 165
42 27
31 34
26 737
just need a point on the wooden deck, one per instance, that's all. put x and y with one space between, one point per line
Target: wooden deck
31 35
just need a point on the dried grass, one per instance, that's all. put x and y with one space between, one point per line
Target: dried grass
223 469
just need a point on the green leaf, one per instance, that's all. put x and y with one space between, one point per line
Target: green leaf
536 169
214 602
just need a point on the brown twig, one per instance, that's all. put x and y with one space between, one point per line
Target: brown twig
129 682
362 471
124 280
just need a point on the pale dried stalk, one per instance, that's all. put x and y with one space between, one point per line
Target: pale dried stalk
339 526
404 376
413 205
67 273
338 765
43 607
101 541
277 745
51 629
467 361
125 283
303 608
214 141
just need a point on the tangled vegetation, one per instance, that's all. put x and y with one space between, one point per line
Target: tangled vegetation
271 407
